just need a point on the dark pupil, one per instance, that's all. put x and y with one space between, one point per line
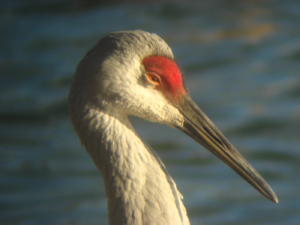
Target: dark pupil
154 78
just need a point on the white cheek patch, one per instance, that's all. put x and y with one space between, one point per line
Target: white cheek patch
151 104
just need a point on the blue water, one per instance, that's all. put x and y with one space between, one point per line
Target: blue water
241 61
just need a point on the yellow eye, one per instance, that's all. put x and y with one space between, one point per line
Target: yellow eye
154 78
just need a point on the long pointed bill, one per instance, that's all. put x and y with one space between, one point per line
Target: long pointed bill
201 129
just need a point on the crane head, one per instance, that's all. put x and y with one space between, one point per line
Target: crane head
134 73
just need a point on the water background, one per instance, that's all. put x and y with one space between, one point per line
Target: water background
241 61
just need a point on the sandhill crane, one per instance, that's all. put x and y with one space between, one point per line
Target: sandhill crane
133 73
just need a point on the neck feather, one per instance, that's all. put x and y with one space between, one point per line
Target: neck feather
138 187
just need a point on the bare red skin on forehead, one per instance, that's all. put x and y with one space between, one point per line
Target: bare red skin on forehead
171 76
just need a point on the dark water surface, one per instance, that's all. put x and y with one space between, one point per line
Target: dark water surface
241 60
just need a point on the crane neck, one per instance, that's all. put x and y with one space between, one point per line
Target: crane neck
139 189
